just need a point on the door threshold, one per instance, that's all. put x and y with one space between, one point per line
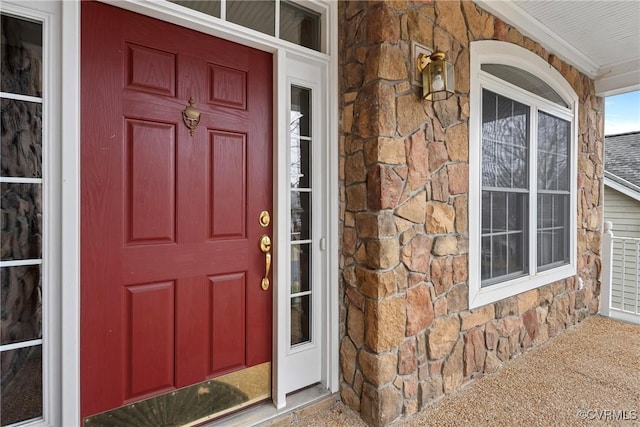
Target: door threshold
265 413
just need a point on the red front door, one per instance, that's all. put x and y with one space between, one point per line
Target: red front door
171 267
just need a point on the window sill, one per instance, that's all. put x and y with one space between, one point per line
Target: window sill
482 296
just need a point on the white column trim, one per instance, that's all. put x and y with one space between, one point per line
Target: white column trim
70 301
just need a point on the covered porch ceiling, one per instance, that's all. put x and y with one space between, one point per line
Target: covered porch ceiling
600 38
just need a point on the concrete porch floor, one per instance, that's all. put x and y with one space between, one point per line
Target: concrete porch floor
589 375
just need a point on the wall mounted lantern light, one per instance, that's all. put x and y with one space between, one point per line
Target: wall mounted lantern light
438 81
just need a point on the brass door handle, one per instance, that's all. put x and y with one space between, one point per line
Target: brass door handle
265 247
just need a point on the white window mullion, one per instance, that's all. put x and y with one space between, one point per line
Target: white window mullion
276 30
223 10
533 191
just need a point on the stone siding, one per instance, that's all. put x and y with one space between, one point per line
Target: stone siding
407 335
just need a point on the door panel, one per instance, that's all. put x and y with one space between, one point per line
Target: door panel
171 269
150 182
150 339
228 159
227 321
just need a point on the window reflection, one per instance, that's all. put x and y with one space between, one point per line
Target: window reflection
257 15
21 56
210 7
20 304
300 264
21 206
299 25
300 319
21 139
21 397
301 290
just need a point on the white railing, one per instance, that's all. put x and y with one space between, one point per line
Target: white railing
620 293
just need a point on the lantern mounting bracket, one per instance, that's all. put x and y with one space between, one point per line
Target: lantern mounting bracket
418 50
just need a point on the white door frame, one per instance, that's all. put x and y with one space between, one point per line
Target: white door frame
70 199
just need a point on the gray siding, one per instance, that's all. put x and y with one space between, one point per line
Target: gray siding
623 211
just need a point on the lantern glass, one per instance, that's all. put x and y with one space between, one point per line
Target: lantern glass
438 80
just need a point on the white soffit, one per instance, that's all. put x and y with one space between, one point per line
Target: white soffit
600 38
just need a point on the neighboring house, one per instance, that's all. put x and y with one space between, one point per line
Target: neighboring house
622 183
622 209
206 205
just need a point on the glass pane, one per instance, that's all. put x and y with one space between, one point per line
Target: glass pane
499 212
545 211
210 7
560 246
300 215
300 163
553 150
21 139
520 124
486 212
489 163
544 247
300 104
503 120
485 267
563 173
519 168
503 166
489 100
21 386
542 166
257 15
516 253
517 211
299 25
564 133
525 80
499 256
560 210
21 206
21 56
300 319
504 142
20 304
300 266
300 131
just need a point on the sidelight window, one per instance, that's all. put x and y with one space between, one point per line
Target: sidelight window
21 181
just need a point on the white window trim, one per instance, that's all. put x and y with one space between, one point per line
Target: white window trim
70 173
310 74
497 52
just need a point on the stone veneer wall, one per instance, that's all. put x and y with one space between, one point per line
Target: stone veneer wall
407 335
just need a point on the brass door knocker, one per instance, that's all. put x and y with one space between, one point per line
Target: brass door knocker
191 116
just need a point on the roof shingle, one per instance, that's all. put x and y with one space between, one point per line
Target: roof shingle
622 156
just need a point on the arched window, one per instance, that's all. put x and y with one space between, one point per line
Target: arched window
522 164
